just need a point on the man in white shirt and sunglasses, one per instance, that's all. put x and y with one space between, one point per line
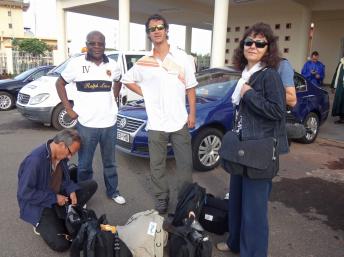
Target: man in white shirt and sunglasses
163 77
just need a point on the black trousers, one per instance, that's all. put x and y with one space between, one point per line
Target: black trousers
52 223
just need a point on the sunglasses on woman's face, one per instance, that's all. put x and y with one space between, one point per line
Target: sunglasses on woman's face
259 43
157 27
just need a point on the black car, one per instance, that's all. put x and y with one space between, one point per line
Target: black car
9 88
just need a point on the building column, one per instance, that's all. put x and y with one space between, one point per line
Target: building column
188 38
62 53
9 60
124 24
148 44
218 50
301 52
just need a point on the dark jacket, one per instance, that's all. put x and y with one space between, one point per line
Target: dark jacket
34 176
263 109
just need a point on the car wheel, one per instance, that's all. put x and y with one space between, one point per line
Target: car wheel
311 124
61 119
205 149
6 101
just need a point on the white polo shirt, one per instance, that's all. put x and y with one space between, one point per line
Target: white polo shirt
164 84
94 101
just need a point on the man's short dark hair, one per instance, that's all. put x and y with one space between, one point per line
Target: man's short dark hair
156 17
315 53
67 136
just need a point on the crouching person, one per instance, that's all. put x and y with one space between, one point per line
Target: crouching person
45 188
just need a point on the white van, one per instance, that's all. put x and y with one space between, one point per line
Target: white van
39 101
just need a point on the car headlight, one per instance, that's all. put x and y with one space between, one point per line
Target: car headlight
38 98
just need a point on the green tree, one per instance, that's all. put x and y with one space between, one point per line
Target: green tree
15 43
33 46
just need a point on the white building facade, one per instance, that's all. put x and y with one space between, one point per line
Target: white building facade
290 19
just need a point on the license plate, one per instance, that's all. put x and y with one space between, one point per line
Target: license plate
123 136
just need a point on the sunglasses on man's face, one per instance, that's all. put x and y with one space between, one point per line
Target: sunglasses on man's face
99 44
259 43
156 27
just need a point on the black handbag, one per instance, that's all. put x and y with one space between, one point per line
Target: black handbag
256 159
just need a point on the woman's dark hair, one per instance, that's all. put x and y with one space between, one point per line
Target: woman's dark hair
270 59
156 17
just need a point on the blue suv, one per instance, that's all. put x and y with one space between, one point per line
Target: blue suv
214 116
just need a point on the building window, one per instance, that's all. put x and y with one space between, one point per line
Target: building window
226 61
247 27
287 38
9 13
277 38
236 40
277 26
227 51
286 50
237 29
288 25
228 40
9 25
228 29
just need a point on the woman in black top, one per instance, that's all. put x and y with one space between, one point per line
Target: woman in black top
261 97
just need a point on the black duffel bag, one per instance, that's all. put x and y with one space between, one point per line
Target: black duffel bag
88 237
214 215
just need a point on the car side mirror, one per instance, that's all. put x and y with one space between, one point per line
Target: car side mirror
301 88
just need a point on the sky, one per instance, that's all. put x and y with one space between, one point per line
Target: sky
41 18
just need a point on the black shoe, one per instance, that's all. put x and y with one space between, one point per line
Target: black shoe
161 206
340 121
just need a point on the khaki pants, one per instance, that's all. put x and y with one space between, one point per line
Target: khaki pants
181 143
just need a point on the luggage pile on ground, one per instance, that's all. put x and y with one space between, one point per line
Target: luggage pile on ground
146 233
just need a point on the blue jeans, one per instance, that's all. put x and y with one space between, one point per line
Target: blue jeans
248 216
106 137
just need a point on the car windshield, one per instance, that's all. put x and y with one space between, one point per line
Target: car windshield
215 85
24 74
57 70
132 59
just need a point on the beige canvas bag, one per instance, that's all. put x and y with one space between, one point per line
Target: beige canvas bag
144 235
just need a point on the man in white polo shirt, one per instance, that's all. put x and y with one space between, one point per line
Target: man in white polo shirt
95 107
163 77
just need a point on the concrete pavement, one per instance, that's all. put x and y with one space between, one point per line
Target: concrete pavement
329 130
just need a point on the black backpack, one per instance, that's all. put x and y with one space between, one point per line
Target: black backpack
187 241
190 199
